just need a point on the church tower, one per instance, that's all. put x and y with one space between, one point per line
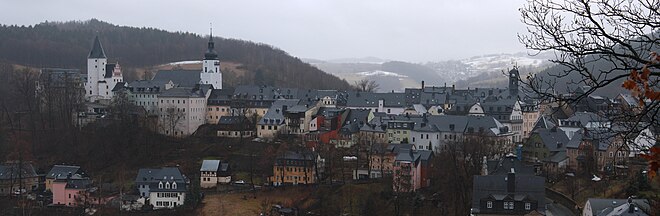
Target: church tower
211 73
96 64
514 76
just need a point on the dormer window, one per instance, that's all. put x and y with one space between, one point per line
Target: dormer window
167 185
173 185
160 185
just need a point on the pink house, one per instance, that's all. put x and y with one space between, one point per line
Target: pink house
73 191
411 167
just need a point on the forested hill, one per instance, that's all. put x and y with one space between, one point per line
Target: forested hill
66 45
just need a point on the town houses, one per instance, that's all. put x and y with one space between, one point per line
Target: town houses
395 136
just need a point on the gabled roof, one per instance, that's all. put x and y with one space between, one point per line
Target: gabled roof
61 171
10 171
607 206
153 177
182 92
182 78
109 69
526 187
504 166
210 165
97 50
554 139
274 115
544 122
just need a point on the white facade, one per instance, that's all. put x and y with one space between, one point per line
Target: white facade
98 85
211 73
161 200
426 140
181 116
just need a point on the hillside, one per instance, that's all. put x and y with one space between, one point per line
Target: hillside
67 44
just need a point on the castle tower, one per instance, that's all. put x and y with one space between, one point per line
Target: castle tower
513 82
211 73
96 65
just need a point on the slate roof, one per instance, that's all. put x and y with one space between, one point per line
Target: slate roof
553 137
210 165
607 206
166 174
75 183
58 77
370 99
61 171
146 86
533 187
180 92
274 115
182 78
556 157
220 96
251 92
544 122
11 170
303 155
97 49
109 69
628 99
503 166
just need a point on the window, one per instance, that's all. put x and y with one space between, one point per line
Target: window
489 204
174 184
510 205
160 185
528 206
506 205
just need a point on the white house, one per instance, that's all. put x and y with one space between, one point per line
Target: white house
213 172
165 187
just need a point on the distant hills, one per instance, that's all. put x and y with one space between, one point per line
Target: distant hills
478 71
138 50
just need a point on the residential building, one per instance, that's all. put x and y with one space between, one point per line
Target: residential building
59 172
510 189
165 187
411 168
616 207
182 109
218 105
213 172
293 168
16 177
235 127
75 190
272 124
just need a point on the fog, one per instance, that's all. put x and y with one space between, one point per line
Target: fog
416 31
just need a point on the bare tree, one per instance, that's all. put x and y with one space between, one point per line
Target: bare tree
171 118
598 44
366 85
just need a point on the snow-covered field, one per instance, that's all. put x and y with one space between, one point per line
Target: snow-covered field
380 73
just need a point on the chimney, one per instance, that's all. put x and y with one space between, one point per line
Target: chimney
484 166
284 108
422 85
511 182
453 88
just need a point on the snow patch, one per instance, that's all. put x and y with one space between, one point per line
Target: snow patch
185 62
380 73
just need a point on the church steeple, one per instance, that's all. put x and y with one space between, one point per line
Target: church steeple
97 50
210 53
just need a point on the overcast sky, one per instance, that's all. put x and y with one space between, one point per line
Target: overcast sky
408 30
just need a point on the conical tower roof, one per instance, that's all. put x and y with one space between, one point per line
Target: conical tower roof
97 50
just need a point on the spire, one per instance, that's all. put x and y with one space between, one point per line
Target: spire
210 53
97 49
